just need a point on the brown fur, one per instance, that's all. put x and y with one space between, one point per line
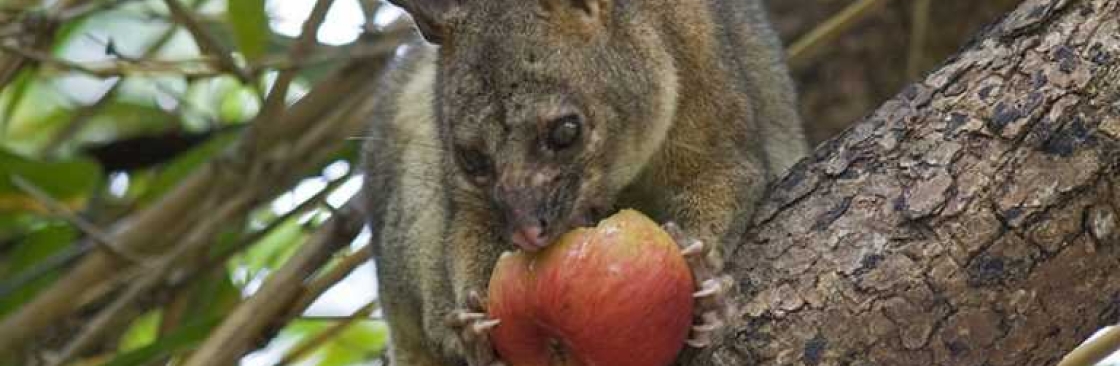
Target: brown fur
687 114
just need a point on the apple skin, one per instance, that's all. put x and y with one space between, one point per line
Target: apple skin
619 294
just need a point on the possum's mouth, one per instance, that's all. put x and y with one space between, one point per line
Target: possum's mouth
536 218
581 218
532 238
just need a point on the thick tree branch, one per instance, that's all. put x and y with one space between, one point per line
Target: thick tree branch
971 220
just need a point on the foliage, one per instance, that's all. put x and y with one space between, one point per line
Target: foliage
121 106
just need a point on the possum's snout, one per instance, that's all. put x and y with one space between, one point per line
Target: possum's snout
538 207
529 238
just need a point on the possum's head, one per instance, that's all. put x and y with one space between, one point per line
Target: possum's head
549 107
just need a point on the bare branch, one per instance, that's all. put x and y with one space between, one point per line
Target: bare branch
274 103
919 37
207 42
100 237
1094 351
334 110
32 31
85 9
118 312
320 284
303 207
370 9
275 298
804 47
310 345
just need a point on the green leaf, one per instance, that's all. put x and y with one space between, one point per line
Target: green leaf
13 225
66 33
69 181
143 331
213 296
206 97
238 105
41 112
41 243
178 340
18 89
123 118
250 26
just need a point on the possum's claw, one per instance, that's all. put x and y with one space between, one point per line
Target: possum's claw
473 329
712 306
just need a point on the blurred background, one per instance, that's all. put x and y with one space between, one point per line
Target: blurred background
161 161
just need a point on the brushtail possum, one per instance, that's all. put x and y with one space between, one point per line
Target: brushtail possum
504 123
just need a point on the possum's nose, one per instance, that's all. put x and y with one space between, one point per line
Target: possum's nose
529 238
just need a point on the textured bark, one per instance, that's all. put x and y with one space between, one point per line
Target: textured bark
971 220
864 66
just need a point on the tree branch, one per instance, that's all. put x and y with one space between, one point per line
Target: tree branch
971 220
274 103
245 325
118 311
207 42
311 344
332 111
803 47
100 238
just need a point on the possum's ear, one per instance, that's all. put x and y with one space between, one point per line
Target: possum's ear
431 16
588 13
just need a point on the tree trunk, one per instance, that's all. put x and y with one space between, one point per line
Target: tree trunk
971 220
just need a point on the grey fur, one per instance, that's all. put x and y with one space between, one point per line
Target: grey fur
689 114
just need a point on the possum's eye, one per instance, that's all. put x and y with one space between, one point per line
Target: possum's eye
564 132
474 162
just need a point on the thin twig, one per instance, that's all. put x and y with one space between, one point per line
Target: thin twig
310 345
200 67
323 118
115 68
370 9
99 236
275 297
207 42
330 318
46 59
81 117
274 102
320 284
187 107
15 99
919 35
62 259
1092 352
116 312
256 236
804 47
89 8
85 114
33 30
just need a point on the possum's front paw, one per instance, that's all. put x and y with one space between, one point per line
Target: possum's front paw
712 305
473 326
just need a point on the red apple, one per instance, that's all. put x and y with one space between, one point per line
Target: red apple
619 294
